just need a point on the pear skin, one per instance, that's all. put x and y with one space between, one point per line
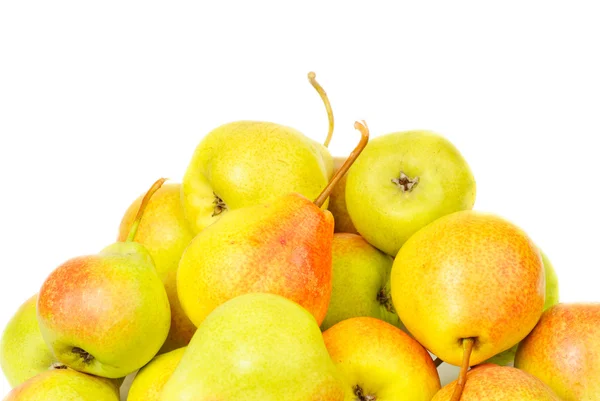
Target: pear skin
381 362
247 163
150 380
337 202
491 382
64 385
283 248
23 352
563 350
468 277
256 347
165 233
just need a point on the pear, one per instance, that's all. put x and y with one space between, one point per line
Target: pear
404 181
256 347
282 247
468 286
63 384
552 297
563 350
380 362
106 314
23 352
361 282
337 202
164 232
150 380
245 163
491 382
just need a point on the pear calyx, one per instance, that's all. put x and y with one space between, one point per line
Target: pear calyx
312 79
385 299
361 396
220 205
405 183
58 365
85 356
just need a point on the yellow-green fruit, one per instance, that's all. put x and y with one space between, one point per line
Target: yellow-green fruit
149 381
23 352
164 232
246 163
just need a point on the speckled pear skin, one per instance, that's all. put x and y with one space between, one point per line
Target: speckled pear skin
64 385
382 359
283 248
563 350
165 233
491 382
112 305
23 352
256 347
468 275
384 214
150 380
248 163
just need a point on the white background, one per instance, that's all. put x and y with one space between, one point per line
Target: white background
99 99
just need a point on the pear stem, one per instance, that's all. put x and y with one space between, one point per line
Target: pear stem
138 218
364 131
312 79
467 344
437 362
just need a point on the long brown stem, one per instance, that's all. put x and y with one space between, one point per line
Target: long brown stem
467 344
364 131
138 217
312 79
437 362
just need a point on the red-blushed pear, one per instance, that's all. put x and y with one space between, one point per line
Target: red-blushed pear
380 362
150 380
106 314
468 286
489 382
256 347
283 247
563 350
164 232
63 384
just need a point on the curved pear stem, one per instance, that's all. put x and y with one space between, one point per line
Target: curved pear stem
437 362
138 217
364 131
312 79
467 344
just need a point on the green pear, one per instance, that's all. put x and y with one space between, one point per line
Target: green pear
361 282
106 314
337 202
404 181
563 350
23 352
256 346
150 380
164 232
63 384
552 296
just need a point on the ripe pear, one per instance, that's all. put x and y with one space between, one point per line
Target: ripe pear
282 247
361 282
552 297
23 352
563 350
256 347
150 380
491 382
63 384
404 181
106 314
380 362
468 286
337 203
165 233
246 163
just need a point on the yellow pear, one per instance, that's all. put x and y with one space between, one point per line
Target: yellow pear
150 380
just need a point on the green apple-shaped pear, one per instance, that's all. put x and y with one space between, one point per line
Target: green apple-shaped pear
256 346
106 314
404 181
23 352
360 283
63 384
245 163
150 380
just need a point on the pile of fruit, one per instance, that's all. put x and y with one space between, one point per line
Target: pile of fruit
276 272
